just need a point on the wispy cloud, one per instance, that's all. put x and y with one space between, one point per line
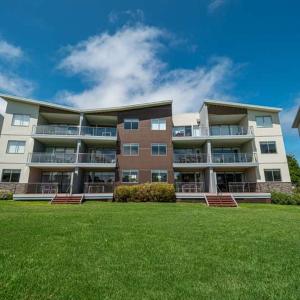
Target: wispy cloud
214 5
126 67
9 51
136 15
10 81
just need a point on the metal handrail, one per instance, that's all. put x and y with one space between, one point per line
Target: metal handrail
233 157
230 130
243 187
189 187
96 158
195 131
45 157
190 158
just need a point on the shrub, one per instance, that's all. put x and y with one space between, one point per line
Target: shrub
6 195
147 192
285 198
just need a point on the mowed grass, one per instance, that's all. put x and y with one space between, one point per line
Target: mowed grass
148 251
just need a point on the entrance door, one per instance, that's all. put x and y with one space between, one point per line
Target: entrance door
62 178
223 179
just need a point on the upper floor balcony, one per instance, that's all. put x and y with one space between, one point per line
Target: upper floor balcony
57 159
74 132
94 160
196 133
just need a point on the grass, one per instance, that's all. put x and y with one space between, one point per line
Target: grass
148 251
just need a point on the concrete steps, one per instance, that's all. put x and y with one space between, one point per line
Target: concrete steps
221 200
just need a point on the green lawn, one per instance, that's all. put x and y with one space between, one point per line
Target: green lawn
148 251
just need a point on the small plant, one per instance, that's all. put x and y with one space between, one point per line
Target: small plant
6 195
147 192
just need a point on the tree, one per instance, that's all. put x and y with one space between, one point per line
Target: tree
294 170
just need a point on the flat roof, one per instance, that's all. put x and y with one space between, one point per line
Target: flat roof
241 105
297 119
90 110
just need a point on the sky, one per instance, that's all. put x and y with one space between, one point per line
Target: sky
108 53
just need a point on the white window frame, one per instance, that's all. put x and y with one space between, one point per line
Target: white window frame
272 170
17 146
21 120
268 143
159 171
130 150
159 144
130 171
263 122
160 123
131 121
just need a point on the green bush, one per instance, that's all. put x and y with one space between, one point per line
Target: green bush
285 198
148 192
6 195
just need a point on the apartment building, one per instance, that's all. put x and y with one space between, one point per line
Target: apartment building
48 149
296 123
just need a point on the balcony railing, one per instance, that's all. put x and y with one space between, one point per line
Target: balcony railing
189 187
70 130
190 158
52 158
41 188
98 187
96 158
222 130
98 131
67 130
233 158
230 130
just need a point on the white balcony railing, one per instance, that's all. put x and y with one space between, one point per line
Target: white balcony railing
98 187
97 158
189 187
221 158
52 158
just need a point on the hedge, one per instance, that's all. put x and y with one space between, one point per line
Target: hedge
285 198
147 192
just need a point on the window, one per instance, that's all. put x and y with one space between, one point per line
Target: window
131 124
15 147
10 175
158 124
131 149
159 149
130 176
273 175
159 175
264 121
268 147
20 120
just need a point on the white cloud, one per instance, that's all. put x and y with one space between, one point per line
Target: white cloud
215 5
125 68
288 115
9 51
11 83
136 15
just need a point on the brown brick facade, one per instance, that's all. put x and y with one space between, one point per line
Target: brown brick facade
145 136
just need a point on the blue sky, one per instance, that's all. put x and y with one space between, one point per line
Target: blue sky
103 53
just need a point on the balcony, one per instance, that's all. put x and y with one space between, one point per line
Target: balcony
234 159
189 187
97 160
56 130
48 159
189 160
98 131
98 187
229 130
